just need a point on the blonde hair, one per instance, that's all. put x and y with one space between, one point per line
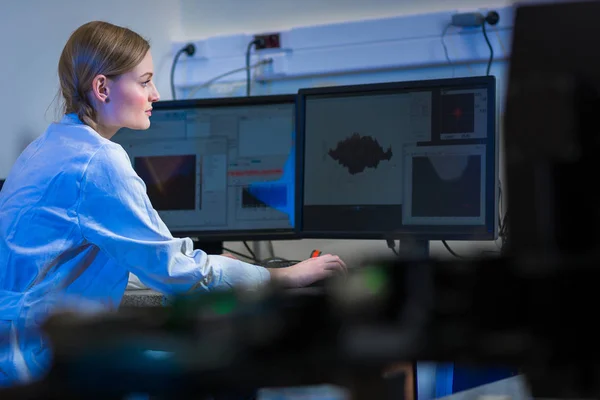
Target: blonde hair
96 48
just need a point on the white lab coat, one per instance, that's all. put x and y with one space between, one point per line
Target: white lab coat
75 219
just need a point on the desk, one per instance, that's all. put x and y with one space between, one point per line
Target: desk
151 298
142 298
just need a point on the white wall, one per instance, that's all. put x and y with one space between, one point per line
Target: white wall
204 18
32 35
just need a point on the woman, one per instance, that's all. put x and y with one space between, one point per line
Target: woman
75 218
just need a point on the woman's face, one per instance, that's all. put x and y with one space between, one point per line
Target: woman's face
130 99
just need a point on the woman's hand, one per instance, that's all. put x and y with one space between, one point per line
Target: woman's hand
309 271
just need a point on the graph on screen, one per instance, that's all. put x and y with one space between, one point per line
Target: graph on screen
454 178
464 114
357 153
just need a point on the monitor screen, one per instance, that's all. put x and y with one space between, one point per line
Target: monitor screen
396 159
222 169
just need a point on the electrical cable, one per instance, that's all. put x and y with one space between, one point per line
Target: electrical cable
280 259
446 48
450 250
504 232
271 248
196 89
250 251
500 205
501 42
487 40
503 221
248 49
392 245
500 209
190 50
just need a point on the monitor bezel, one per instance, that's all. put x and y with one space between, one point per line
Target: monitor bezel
491 232
236 235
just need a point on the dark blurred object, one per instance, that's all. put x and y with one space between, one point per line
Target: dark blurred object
215 345
478 312
552 131
486 312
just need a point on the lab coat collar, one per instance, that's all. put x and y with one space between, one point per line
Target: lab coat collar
71 119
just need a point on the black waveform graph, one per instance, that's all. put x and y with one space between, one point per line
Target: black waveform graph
358 153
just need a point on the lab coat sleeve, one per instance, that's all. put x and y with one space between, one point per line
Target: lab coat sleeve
116 215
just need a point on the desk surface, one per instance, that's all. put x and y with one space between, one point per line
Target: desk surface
151 298
142 298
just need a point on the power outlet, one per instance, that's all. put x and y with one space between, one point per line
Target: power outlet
268 41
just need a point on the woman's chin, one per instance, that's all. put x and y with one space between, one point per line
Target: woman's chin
140 125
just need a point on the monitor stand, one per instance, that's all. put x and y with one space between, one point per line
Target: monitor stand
414 248
209 247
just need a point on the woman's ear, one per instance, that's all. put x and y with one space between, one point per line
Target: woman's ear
100 89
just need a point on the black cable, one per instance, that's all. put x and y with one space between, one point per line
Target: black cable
487 40
450 250
195 89
504 228
250 251
179 53
271 248
278 259
252 43
500 204
189 49
392 245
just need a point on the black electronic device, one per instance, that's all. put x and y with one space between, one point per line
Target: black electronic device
220 169
404 159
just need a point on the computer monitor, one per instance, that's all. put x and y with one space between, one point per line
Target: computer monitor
396 160
220 169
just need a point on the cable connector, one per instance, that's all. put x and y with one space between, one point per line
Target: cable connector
492 18
391 244
474 19
468 20
189 49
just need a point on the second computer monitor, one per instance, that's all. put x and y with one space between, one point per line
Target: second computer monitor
395 159
220 169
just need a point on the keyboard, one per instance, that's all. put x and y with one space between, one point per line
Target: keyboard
277 263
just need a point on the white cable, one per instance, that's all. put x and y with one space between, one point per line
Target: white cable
501 43
196 89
